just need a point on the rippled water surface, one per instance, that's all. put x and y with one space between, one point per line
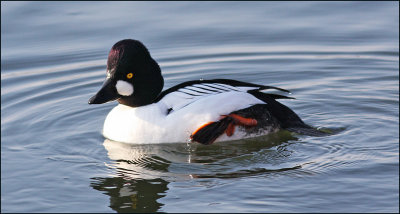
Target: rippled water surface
340 60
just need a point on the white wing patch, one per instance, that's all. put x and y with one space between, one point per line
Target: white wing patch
189 94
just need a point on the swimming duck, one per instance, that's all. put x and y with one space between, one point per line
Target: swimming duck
204 111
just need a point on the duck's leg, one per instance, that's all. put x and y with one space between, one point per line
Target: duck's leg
209 132
230 129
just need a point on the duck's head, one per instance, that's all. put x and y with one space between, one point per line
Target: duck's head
133 77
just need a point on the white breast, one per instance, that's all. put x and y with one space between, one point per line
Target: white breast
152 124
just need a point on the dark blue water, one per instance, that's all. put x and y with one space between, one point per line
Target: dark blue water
339 59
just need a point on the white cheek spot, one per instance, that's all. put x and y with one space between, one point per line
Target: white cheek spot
124 88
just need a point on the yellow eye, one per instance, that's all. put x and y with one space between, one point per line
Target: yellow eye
129 76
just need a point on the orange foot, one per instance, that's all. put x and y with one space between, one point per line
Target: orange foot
238 120
209 132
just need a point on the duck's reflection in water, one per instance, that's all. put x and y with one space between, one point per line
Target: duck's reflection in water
135 195
140 174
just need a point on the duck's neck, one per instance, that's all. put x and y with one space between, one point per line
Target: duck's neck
145 97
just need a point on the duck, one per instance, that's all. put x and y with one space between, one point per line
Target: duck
202 111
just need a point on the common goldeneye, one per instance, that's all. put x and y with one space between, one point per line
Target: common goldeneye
204 111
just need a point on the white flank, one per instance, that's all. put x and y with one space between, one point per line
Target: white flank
151 124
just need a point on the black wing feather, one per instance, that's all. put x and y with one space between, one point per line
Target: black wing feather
223 81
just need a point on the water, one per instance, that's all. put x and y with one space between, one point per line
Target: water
339 59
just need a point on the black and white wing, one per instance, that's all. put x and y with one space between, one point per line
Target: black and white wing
186 93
